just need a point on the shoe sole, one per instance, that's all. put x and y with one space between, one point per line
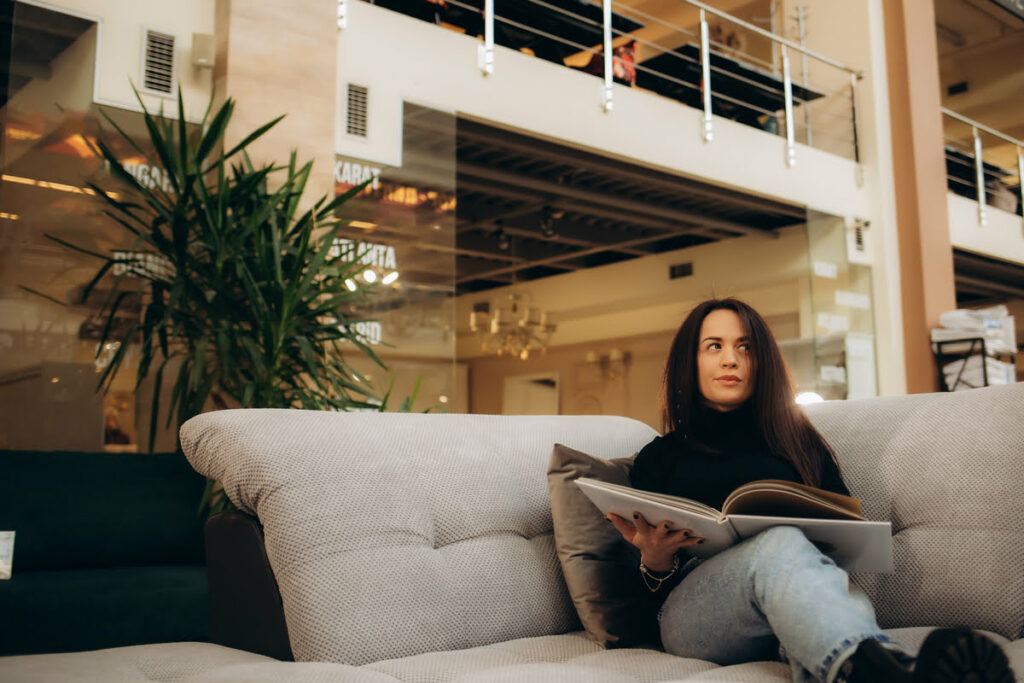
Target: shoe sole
960 655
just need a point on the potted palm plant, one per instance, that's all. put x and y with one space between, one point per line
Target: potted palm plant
237 295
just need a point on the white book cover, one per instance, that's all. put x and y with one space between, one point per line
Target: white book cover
856 545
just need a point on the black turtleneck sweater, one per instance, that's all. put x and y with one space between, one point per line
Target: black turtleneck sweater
723 451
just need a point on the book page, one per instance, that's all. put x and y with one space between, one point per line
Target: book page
674 501
656 508
788 499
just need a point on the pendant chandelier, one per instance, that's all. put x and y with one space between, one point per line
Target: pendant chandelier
511 327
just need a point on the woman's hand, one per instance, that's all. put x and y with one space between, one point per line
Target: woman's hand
658 543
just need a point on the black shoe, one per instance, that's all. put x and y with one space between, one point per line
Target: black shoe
874 663
961 655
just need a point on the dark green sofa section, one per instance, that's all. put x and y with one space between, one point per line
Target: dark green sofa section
108 551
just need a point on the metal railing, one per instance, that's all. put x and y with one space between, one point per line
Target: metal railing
740 69
976 183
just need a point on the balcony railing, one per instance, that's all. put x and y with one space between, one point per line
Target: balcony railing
966 171
723 65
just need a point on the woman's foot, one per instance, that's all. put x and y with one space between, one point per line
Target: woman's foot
873 662
948 655
961 655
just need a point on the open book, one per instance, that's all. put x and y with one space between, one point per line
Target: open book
831 521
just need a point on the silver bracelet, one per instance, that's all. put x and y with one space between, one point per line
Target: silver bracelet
648 575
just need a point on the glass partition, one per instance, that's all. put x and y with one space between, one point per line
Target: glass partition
402 228
842 313
49 366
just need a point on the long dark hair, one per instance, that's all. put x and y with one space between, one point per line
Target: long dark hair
784 427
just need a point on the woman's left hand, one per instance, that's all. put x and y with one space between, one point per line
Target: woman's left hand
658 543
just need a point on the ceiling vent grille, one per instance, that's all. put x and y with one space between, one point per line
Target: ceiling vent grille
680 270
158 63
358 99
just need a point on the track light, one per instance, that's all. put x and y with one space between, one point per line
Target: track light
547 221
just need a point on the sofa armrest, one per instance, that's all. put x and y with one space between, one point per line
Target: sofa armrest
246 612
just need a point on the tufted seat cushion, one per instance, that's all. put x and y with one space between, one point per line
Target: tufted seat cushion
545 659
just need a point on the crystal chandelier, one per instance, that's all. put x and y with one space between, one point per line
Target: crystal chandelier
511 328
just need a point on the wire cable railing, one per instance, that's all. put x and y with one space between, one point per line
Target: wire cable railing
702 72
970 176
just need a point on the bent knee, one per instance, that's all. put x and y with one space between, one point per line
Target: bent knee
782 536
786 542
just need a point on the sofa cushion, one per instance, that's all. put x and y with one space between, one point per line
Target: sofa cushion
59 611
946 469
566 657
135 664
397 534
600 568
142 509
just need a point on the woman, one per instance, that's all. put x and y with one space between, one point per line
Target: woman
731 418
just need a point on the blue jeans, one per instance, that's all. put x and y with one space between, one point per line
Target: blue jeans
773 589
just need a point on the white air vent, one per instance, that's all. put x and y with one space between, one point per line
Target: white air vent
158 63
358 99
858 242
858 239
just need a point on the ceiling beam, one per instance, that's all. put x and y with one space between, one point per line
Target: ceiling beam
51 23
503 214
595 198
531 147
987 286
555 259
585 208
475 253
572 241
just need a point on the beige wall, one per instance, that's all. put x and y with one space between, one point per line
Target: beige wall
926 256
122 26
1001 237
636 297
584 388
632 389
279 57
634 307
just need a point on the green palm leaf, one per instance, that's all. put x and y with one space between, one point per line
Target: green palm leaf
254 309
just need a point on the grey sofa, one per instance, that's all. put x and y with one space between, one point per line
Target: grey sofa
419 547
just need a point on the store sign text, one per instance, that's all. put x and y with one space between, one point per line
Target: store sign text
131 263
352 173
367 253
149 176
369 332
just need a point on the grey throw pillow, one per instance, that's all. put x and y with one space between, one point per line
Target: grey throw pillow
600 567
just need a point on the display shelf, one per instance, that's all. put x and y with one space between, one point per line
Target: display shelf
957 354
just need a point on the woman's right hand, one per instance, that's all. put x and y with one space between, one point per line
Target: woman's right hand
657 543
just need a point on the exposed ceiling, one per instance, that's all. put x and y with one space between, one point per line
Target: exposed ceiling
39 35
981 48
981 280
529 208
